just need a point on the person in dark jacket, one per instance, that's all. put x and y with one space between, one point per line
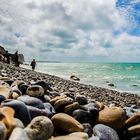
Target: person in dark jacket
17 63
33 64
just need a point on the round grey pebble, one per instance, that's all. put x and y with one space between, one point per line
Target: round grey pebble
40 128
105 132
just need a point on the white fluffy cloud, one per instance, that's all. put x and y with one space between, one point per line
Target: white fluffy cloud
67 30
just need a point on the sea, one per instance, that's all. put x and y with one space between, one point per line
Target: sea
124 76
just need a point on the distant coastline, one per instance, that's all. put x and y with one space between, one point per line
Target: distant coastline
41 61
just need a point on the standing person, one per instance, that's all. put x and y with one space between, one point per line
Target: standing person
16 59
33 64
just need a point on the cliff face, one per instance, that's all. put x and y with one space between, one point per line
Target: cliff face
7 57
3 51
21 58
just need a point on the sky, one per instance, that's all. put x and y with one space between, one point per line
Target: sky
72 30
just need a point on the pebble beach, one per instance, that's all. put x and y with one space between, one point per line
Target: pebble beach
38 106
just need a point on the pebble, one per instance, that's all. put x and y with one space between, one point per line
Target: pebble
44 85
66 123
18 134
17 83
113 117
23 88
52 101
16 93
32 101
5 91
21 111
50 109
133 120
67 138
2 98
9 82
18 123
83 116
40 128
94 138
88 129
82 135
50 95
2 132
61 103
105 132
134 130
7 118
135 138
81 99
34 112
35 91
70 108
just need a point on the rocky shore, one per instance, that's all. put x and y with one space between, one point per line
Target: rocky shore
37 106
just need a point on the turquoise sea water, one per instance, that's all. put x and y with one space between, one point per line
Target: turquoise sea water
125 76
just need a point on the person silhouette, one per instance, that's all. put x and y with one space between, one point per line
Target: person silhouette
16 59
33 64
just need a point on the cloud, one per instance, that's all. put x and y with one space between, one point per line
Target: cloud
130 11
69 30
135 1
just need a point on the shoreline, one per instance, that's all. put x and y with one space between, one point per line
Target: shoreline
107 96
120 85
